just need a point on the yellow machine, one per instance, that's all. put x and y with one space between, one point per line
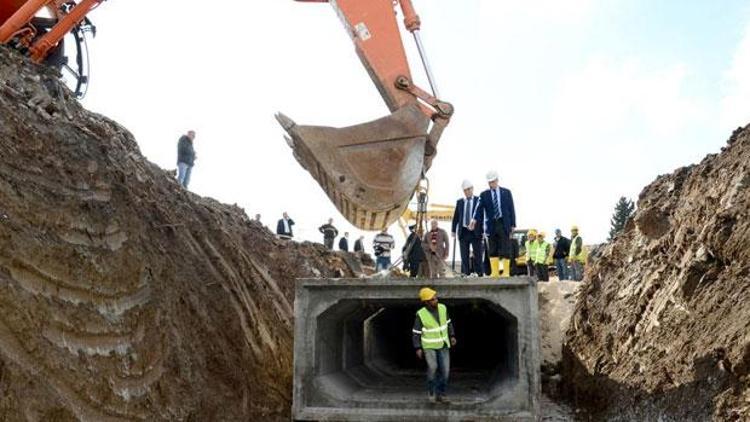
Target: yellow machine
441 212
438 212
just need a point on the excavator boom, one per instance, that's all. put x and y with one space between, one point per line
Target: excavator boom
370 171
39 26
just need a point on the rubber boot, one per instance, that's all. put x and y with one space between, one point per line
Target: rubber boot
506 268
494 267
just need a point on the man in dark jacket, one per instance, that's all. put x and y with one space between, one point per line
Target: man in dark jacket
185 158
468 240
284 227
413 252
359 245
560 255
344 242
496 205
329 233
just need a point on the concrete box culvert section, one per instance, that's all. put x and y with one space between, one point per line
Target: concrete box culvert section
354 360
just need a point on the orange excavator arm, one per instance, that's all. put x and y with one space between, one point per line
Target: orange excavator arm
23 25
370 171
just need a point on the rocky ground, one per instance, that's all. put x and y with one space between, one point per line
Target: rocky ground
662 327
556 303
122 295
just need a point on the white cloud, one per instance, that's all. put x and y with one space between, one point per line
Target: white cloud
735 107
541 12
607 97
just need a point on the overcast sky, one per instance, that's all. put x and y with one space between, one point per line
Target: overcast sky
575 102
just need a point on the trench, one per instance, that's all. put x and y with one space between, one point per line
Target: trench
365 352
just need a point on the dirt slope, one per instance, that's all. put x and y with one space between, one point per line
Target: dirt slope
662 326
122 296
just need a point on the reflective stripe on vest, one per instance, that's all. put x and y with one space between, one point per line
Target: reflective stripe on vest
434 333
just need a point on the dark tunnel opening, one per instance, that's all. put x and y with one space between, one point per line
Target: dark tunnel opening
365 351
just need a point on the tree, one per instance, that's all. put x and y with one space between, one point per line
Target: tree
623 211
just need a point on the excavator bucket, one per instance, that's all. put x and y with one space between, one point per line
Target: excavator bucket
369 171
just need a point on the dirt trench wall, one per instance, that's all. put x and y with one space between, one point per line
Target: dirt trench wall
662 325
123 296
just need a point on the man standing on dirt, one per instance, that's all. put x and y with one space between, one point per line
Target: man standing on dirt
436 247
432 337
185 158
382 245
329 233
496 204
562 248
542 255
284 227
359 245
412 252
344 242
575 256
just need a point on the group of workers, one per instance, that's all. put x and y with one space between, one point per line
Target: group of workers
568 255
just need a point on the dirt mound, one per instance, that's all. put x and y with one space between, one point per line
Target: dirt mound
122 296
662 326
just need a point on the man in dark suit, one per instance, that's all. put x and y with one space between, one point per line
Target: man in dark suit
344 242
496 206
284 227
467 239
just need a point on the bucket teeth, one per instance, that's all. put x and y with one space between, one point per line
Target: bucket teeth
285 121
369 171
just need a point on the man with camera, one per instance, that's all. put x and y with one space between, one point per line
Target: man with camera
382 245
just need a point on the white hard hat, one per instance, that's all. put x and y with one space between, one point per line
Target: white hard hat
466 185
492 175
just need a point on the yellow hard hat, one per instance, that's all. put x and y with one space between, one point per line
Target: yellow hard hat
541 234
426 293
532 232
574 228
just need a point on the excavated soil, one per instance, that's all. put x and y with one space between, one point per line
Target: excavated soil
123 296
661 330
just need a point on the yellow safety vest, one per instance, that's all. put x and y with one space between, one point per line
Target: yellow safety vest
542 252
581 257
434 334
531 250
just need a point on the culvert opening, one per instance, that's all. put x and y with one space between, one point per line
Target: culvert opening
364 351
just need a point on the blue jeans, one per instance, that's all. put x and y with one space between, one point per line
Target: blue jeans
576 271
438 368
562 268
183 174
382 263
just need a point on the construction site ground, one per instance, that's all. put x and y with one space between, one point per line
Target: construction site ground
125 297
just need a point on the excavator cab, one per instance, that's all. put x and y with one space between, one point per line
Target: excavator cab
371 170
38 28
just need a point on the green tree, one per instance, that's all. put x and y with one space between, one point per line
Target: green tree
623 211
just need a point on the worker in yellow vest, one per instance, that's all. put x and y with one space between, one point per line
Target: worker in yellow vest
432 337
576 257
530 252
542 256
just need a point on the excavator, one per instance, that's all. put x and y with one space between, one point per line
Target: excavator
369 171
38 28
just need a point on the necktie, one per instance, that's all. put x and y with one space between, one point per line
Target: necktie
496 200
467 211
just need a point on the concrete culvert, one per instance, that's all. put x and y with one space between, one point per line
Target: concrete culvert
354 358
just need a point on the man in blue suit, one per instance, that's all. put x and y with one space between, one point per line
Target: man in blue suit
468 239
499 213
